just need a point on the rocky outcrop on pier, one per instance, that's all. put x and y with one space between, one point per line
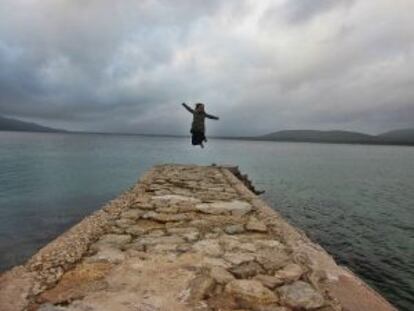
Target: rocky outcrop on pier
184 238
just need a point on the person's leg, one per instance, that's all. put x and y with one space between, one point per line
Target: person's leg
194 140
197 139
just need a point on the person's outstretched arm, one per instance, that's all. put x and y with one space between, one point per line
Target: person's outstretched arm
188 108
210 116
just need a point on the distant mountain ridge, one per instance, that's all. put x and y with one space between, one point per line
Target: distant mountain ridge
318 136
399 135
402 136
395 137
9 124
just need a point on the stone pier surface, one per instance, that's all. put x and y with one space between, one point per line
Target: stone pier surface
185 238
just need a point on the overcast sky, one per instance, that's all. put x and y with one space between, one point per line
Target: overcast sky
262 66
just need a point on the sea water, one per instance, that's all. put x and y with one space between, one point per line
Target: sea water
357 201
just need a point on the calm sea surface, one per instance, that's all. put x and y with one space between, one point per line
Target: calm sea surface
356 201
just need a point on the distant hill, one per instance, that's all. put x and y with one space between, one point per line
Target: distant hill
403 135
319 136
8 124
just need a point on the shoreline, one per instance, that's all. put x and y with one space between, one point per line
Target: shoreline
247 138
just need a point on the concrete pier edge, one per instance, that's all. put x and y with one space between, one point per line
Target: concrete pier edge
22 284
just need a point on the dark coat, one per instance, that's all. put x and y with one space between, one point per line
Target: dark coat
199 117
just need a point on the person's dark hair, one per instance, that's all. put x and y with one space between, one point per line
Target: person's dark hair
199 106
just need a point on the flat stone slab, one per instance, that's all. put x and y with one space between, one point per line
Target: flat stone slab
184 238
301 295
237 207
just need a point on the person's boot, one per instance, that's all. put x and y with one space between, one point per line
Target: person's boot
201 145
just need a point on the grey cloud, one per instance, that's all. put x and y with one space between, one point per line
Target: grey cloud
73 51
127 65
304 10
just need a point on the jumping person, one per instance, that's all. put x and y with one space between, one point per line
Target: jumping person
198 127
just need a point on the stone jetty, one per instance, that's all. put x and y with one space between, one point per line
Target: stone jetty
185 238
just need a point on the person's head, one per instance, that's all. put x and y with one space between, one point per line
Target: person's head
199 107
